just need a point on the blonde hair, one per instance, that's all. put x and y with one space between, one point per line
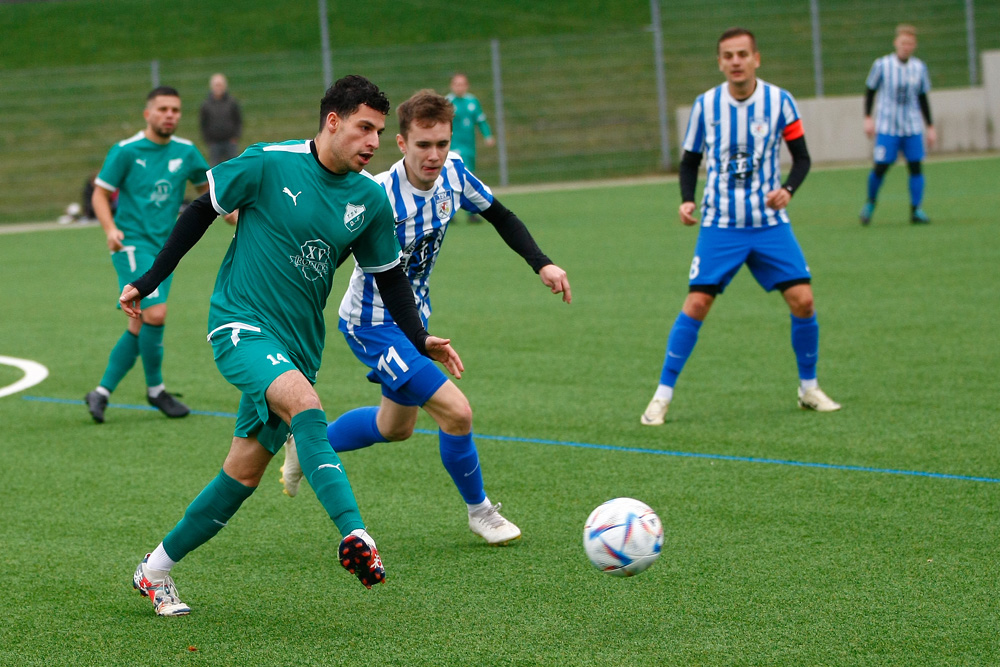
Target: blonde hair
906 29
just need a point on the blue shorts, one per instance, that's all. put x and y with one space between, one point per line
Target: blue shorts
407 377
887 148
772 254
129 264
250 361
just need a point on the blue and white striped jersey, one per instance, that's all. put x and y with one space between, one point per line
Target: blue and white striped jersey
422 219
741 140
899 85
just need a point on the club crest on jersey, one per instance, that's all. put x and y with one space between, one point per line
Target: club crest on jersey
759 128
354 216
175 165
442 205
314 262
161 192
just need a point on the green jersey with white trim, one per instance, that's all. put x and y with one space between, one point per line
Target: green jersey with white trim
469 115
298 220
150 178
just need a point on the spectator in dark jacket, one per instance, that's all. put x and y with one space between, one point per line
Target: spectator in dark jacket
221 121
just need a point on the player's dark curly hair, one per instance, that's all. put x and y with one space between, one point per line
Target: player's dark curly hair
348 94
162 90
737 32
426 108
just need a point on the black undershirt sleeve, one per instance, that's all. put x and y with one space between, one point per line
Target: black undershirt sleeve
516 235
689 174
800 164
190 227
869 100
397 295
925 108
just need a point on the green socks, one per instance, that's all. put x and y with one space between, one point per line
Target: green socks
206 515
151 350
324 471
121 361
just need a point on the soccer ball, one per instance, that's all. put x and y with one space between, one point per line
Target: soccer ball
623 537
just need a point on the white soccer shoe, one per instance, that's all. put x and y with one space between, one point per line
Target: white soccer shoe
291 471
655 412
159 587
816 399
490 525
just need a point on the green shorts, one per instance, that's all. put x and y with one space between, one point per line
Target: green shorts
130 263
250 360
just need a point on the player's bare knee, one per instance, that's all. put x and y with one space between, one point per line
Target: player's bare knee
457 419
396 432
697 305
155 315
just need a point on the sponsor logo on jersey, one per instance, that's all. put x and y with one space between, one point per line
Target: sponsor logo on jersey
442 205
354 216
314 262
175 165
161 192
141 162
740 166
294 197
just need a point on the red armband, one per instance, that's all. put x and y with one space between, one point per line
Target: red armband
793 131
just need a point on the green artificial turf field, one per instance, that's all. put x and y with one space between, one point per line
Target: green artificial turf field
864 537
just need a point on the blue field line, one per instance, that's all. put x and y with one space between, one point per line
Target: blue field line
614 448
728 457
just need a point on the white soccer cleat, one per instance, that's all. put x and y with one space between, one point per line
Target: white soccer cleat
291 471
816 399
490 525
159 587
655 412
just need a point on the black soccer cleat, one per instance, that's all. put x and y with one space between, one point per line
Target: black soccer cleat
360 557
96 403
169 405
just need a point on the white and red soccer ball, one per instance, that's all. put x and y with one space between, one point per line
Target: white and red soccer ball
623 537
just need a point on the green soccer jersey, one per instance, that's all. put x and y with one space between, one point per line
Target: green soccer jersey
297 219
150 178
468 115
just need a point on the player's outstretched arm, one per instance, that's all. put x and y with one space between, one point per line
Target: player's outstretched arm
190 227
397 295
556 280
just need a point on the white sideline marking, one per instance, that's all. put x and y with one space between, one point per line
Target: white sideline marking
34 373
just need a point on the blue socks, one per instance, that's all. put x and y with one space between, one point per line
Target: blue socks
461 460
680 344
206 515
805 343
355 429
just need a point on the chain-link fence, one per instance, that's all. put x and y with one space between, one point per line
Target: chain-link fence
574 106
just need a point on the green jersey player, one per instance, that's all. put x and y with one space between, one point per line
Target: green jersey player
469 115
150 171
303 207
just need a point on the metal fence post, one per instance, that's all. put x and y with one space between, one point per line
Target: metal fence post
498 104
661 84
970 29
154 73
817 40
324 38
